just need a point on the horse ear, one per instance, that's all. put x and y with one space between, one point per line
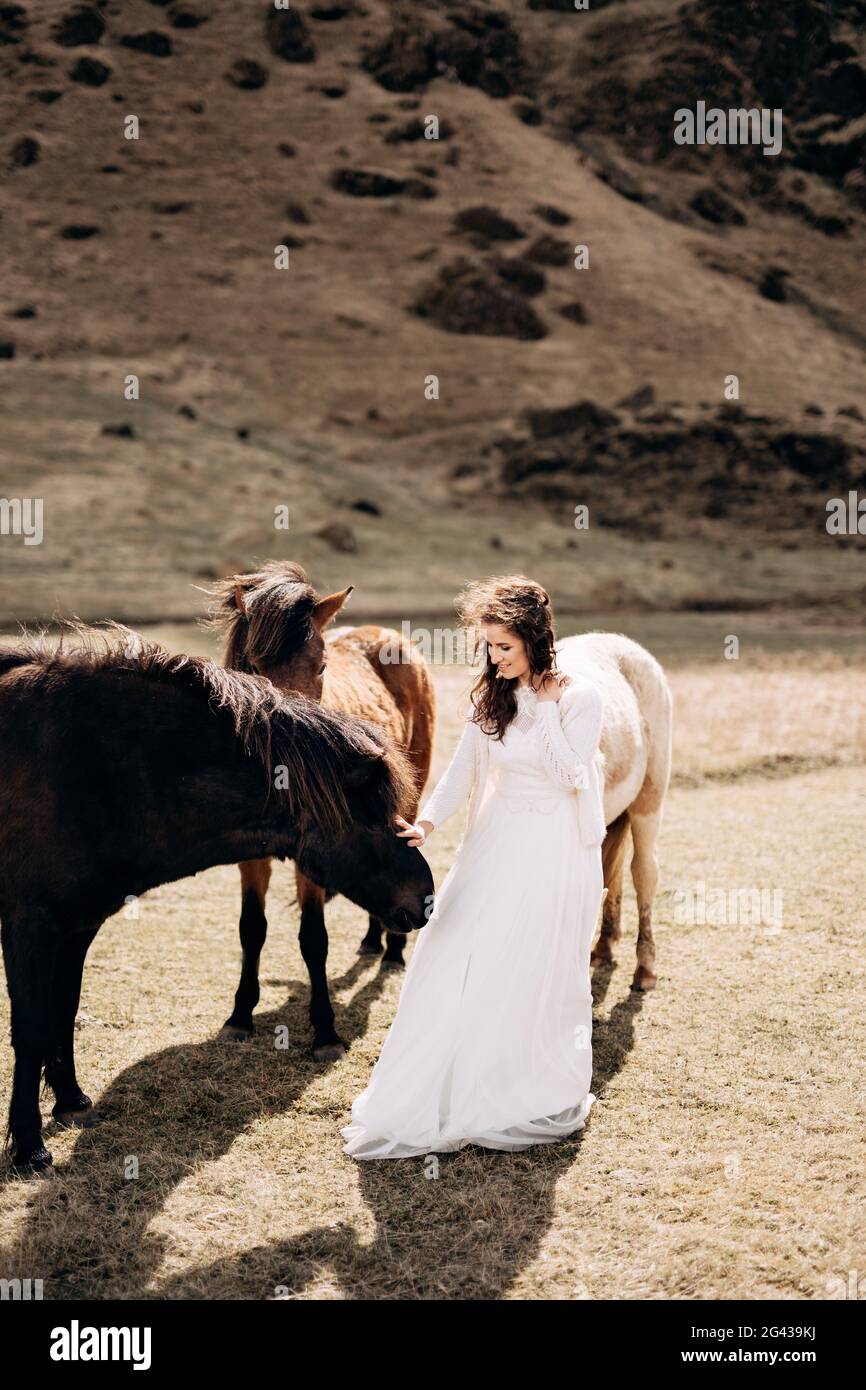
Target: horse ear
240 602
327 608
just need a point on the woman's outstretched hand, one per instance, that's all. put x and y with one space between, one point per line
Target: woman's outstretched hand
414 835
552 687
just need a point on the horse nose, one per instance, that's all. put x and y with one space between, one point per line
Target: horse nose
403 920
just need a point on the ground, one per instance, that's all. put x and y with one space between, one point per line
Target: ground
723 1158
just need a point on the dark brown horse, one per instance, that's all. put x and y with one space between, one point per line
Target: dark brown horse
121 768
275 622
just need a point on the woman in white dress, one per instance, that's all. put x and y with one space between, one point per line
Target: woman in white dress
491 1042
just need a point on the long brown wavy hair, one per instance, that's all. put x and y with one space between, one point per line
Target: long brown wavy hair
514 602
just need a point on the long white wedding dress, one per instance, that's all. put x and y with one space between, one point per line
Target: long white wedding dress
491 1042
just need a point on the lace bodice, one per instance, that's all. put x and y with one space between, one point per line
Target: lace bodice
546 749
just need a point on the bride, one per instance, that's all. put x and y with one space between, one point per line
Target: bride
491 1042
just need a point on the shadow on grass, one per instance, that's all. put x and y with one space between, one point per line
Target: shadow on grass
465 1231
468 1232
175 1110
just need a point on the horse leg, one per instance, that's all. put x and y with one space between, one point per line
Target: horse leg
29 953
372 943
327 1044
72 1106
394 953
645 875
612 859
255 877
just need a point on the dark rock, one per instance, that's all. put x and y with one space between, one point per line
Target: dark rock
82 25
419 188
583 417
24 152
287 150
405 61
574 312
247 74
90 72
47 95
551 215
482 49
812 410
77 231
153 42
518 272
28 311
363 505
639 399
476 46
528 112
772 284
187 412
329 14
183 18
288 36
486 224
334 93
468 297
124 431
13 22
549 250
7 349
370 183
296 212
732 411
414 130
851 412
715 206
824 458
339 537
170 209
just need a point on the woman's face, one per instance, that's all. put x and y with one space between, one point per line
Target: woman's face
506 651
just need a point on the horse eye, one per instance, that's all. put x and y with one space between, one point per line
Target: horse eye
322 669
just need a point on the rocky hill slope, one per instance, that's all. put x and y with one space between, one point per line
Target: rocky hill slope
309 388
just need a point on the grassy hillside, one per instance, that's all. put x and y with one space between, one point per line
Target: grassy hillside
304 388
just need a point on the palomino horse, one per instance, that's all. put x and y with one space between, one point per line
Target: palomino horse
636 743
274 623
124 768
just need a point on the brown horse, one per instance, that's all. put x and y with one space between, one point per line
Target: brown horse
123 768
274 623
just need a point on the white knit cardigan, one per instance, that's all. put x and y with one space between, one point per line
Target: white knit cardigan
568 730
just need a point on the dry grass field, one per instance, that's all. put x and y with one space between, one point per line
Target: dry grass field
724 1158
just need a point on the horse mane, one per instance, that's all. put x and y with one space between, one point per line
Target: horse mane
311 742
263 616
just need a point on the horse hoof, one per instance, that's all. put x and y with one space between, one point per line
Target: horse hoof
596 960
644 979
232 1033
367 949
329 1052
392 963
82 1117
38 1161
